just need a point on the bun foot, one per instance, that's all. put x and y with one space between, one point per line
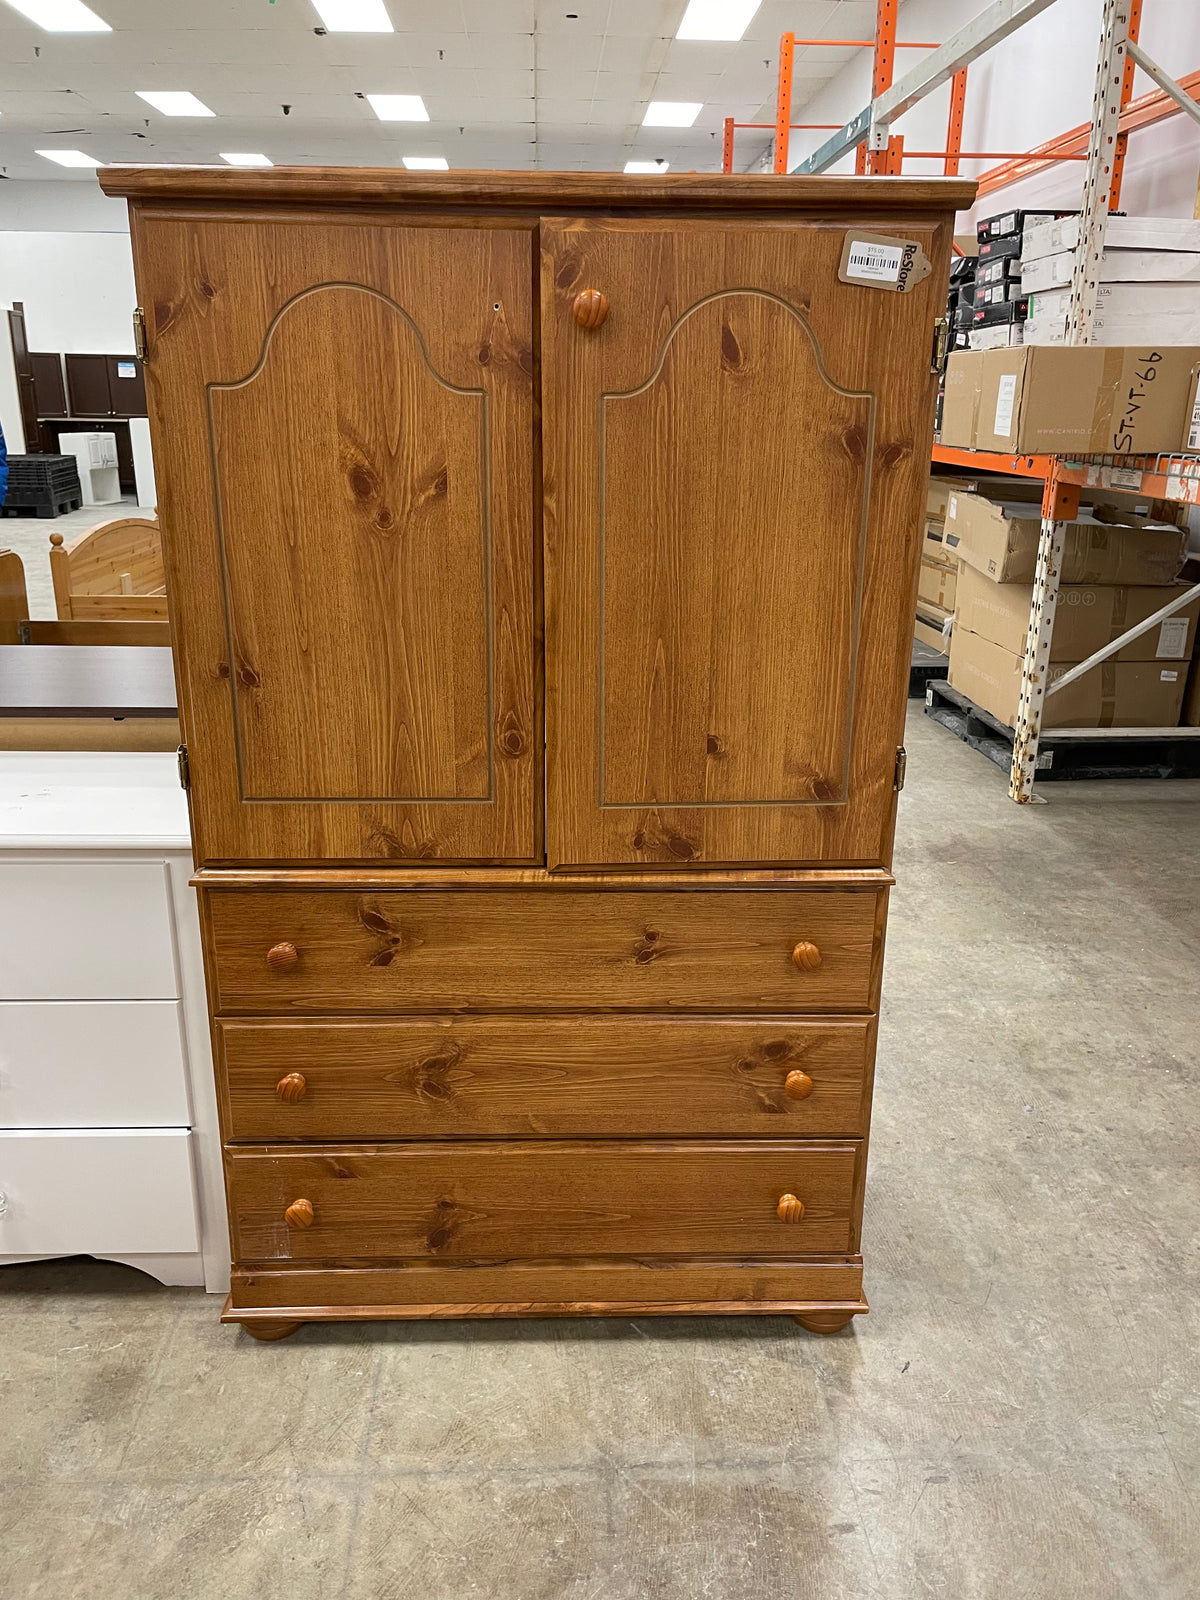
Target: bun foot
824 1321
270 1330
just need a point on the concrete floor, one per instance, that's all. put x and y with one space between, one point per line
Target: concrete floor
1017 1419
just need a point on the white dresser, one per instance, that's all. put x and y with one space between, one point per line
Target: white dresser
108 1120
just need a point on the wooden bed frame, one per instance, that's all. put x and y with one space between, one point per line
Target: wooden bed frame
114 573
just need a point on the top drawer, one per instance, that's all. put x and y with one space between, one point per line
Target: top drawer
514 950
86 930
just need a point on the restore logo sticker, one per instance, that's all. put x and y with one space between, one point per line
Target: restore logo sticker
880 261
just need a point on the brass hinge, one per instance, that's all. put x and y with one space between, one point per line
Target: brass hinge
941 344
185 776
901 768
139 333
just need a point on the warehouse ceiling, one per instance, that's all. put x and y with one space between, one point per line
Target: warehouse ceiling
507 83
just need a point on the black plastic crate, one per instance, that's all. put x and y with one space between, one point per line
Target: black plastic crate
44 484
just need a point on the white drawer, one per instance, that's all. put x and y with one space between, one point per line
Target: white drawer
92 1064
85 930
124 1192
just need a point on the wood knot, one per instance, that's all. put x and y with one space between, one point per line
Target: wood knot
854 442
247 677
207 290
731 350
363 483
898 450
512 738
714 746
639 840
681 847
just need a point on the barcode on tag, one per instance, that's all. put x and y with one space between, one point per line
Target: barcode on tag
1123 478
1194 427
875 263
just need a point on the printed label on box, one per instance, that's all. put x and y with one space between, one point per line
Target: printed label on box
879 261
1168 677
126 369
1172 638
1194 425
952 506
1006 396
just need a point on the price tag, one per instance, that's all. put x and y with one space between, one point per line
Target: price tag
880 261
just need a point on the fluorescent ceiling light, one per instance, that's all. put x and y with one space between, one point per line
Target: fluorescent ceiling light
398 107
427 163
646 166
244 159
354 16
69 158
61 16
174 102
717 19
672 113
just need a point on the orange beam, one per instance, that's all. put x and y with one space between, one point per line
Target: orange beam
1142 112
993 461
867 44
881 80
727 147
954 132
1118 168
783 102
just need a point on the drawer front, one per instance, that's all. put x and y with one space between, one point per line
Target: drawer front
86 930
124 1191
473 1201
92 1064
461 1077
704 950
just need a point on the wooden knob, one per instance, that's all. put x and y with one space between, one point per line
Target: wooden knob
590 308
294 1087
282 957
56 539
789 1208
797 1084
806 956
300 1213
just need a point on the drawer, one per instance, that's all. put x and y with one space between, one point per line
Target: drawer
86 930
472 1201
92 1064
459 1077
127 1191
619 950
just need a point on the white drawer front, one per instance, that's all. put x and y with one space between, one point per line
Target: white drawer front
92 1064
85 930
121 1192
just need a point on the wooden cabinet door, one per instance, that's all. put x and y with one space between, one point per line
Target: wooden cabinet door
343 430
735 462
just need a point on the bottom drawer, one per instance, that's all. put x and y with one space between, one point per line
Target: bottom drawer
473 1201
124 1191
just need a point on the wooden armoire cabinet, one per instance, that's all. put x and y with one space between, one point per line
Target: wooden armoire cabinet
542 553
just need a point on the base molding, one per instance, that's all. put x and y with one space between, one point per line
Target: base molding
421 1291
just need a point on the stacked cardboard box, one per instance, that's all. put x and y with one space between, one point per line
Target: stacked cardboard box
1118 569
1149 281
1000 298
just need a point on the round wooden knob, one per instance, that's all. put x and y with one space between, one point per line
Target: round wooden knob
590 308
282 957
294 1087
789 1208
806 956
797 1084
300 1213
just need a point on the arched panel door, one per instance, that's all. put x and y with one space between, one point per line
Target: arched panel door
344 422
737 455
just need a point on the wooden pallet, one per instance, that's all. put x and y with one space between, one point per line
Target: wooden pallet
1111 753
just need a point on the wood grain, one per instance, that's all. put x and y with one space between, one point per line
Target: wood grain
101 632
349 562
536 190
735 477
722 951
469 1077
649 1286
440 877
479 1201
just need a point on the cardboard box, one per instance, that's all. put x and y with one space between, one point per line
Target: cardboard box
1000 538
1015 221
1122 233
932 626
1116 694
1043 399
1116 266
999 337
937 583
1088 616
1129 313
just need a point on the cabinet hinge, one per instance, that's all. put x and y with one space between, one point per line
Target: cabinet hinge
941 344
185 776
139 333
901 768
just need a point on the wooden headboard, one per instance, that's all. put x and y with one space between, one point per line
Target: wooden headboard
114 571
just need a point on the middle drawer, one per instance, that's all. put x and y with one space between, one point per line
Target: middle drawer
462 1077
